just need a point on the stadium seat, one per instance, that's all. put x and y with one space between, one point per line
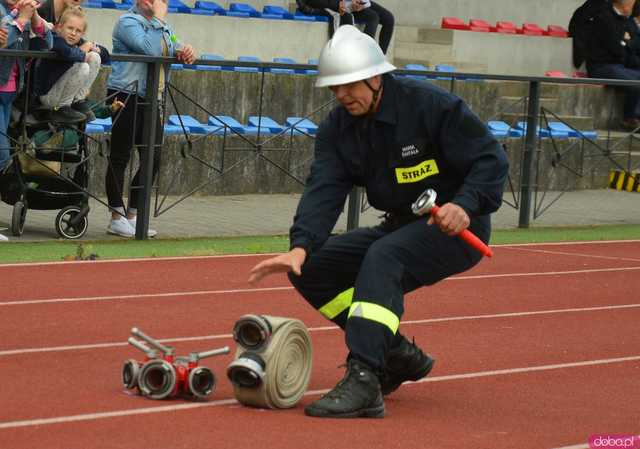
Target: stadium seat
311 61
532 29
444 68
506 27
171 130
247 69
302 124
542 132
555 74
177 67
578 74
479 25
272 12
560 130
209 68
93 129
191 124
502 129
417 67
105 123
211 6
235 125
454 23
265 122
557 31
243 8
281 70
203 12
178 6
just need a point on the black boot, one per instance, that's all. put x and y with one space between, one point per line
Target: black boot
404 362
356 395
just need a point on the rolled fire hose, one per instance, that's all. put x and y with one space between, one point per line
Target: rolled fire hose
273 361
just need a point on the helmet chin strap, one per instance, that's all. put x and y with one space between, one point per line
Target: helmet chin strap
376 93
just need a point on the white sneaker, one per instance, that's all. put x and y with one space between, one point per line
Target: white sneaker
120 226
150 232
4 238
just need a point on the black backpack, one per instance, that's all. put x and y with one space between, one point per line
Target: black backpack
580 27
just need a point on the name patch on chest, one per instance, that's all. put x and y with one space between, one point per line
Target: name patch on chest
417 172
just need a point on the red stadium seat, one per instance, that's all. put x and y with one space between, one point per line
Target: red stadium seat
532 29
555 74
480 25
454 23
506 27
557 31
578 74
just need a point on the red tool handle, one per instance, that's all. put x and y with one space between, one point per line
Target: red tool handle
470 238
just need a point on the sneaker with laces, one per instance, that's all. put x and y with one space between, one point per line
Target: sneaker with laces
404 362
150 232
356 395
120 226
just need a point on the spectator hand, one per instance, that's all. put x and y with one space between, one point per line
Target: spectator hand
116 106
87 47
284 263
26 9
451 219
186 54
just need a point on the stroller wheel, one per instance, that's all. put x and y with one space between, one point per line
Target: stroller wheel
18 218
72 222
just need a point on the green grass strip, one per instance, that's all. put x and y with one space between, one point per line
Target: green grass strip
16 251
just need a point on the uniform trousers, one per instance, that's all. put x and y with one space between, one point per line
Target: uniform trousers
358 279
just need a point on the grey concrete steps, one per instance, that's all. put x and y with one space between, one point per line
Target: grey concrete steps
516 104
423 35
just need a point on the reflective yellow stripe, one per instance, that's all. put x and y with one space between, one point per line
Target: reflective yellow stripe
374 312
334 307
417 172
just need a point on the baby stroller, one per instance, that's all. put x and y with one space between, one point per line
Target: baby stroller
48 172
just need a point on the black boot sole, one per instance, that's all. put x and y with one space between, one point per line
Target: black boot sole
424 372
371 412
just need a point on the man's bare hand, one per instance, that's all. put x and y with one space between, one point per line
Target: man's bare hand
451 219
186 55
284 263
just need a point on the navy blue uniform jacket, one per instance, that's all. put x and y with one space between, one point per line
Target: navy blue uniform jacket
421 137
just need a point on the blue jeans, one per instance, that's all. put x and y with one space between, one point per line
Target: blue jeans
620 72
6 100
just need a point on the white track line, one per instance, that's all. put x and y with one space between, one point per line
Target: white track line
249 290
223 256
563 253
173 408
326 328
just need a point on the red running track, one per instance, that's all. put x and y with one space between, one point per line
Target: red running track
536 348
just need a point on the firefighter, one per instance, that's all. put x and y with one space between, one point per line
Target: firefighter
396 137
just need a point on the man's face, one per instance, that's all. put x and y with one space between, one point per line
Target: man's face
72 30
356 97
625 7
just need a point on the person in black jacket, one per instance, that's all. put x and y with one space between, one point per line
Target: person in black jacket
396 137
63 85
366 12
608 52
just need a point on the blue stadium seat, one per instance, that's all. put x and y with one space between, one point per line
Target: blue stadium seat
542 132
105 123
247 69
560 130
177 67
170 130
311 61
265 122
444 68
302 124
303 17
178 6
192 125
283 61
93 129
501 129
244 8
208 68
272 10
211 6
419 67
235 125
202 12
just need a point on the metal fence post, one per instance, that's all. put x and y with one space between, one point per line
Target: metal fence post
148 149
353 211
528 159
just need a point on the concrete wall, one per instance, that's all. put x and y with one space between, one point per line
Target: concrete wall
513 54
229 36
